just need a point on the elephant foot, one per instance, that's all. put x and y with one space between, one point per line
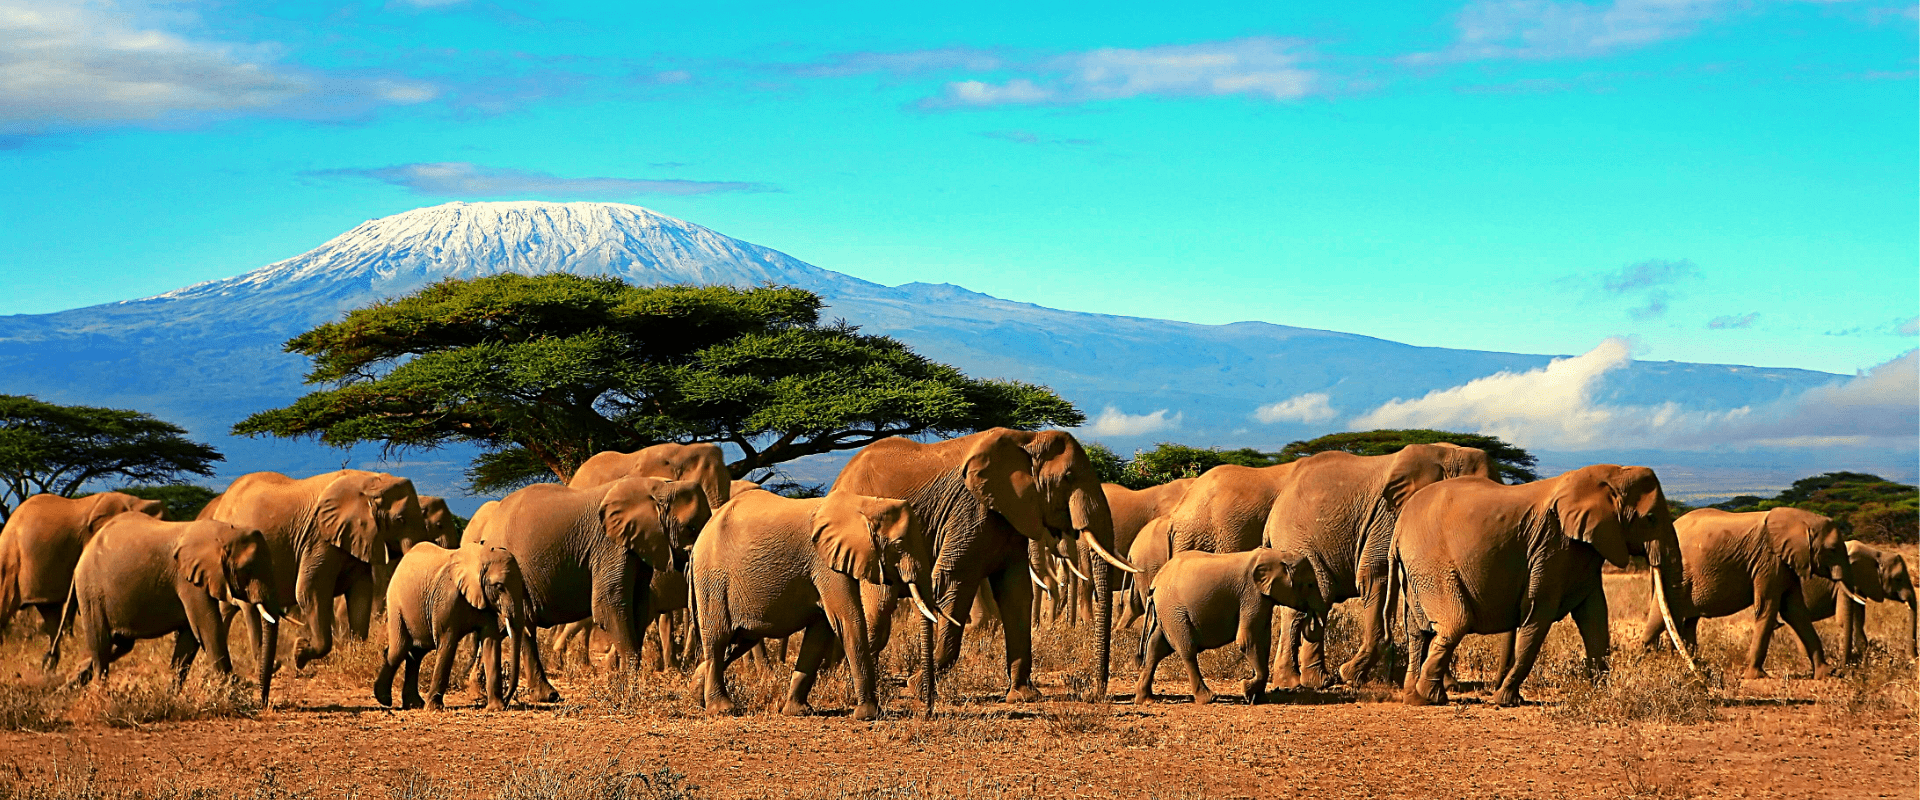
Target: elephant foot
1202 697
796 708
384 694
412 702
1823 672
1023 694
1755 674
543 694
720 707
1142 696
1507 698
1348 675
1286 679
436 703
867 711
496 704
1315 679
1254 692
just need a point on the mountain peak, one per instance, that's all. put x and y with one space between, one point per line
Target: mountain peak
397 254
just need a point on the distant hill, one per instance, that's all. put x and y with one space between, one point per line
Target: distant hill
209 354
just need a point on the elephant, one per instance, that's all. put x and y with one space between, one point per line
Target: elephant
1476 556
330 535
1200 601
591 553
1338 509
143 578
1132 509
437 597
700 463
1872 574
41 543
772 566
1758 560
1150 551
982 498
442 527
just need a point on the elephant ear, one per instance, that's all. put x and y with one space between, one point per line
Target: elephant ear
346 519
201 555
1000 473
1413 468
631 517
1587 509
846 539
1791 538
469 575
1464 461
100 508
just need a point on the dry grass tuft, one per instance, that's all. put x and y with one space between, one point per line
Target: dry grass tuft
1881 686
33 703
134 701
1643 687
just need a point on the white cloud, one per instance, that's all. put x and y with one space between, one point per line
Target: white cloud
1114 422
1553 408
1261 67
1538 29
1733 321
1308 408
462 179
95 63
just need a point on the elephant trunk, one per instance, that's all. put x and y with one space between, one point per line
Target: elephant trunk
268 651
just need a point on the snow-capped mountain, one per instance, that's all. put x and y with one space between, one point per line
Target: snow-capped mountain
209 354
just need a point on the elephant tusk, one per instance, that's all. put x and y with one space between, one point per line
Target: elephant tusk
1118 563
1037 581
1075 570
922 605
1666 616
266 615
1850 594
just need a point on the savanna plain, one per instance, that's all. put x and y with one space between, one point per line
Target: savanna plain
1649 729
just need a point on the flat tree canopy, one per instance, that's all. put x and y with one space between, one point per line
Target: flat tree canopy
1511 464
543 372
56 449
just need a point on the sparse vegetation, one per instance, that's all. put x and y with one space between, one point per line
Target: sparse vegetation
1873 508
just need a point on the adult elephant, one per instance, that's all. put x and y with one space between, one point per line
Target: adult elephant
982 498
591 553
1485 558
1756 561
43 541
1872 574
328 534
1338 510
771 566
1132 510
702 464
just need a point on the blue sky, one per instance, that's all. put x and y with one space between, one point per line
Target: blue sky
1716 181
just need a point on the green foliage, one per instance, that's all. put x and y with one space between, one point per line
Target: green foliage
1107 464
48 448
543 372
183 500
1873 508
1169 461
1511 464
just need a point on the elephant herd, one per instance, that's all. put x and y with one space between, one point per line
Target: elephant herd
956 529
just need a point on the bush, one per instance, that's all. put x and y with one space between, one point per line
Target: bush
1643 687
133 702
32 705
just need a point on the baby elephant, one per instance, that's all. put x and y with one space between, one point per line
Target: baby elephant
1201 601
141 578
437 597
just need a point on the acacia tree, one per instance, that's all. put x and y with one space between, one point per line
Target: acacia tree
56 449
542 372
1511 464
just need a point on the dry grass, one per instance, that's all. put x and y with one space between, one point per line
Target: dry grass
138 701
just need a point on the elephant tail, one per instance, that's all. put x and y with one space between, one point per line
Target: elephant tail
67 611
1150 627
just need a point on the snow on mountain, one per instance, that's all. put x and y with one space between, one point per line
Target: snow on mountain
209 354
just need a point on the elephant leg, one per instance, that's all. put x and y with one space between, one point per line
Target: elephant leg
665 632
1590 617
185 647
690 649
621 604
1527 641
1856 638
410 690
1502 660
1374 628
1256 646
1152 651
850 626
1764 607
1427 684
814 646
539 689
446 645
1313 658
1012 589
49 618
1653 631
1286 672
208 630
719 643
396 655
491 655
1847 613
1793 609
1182 640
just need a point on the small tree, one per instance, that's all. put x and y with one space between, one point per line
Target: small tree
183 500
56 449
543 372
1511 464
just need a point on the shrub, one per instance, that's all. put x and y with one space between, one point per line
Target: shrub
1643 687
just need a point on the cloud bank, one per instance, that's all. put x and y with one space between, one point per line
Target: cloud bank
1539 30
64 64
1114 422
1554 408
1307 408
462 179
